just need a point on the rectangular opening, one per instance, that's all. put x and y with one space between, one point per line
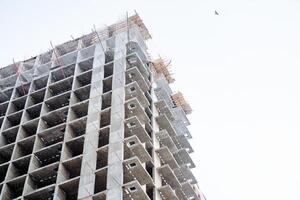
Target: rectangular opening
51 136
43 177
109 56
86 65
33 112
106 100
47 155
8 71
105 118
5 95
24 147
17 105
9 136
88 40
47 193
102 157
62 73
40 83
1 121
21 90
86 52
82 94
71 168
108 70
74 147
60 87
107 84
19 167
55 118
36 97
150 191
28 129
100 181
77 127
8 82
79 110
42 70
69 190
3 172
84 79
103 137
13 120
15 188
3 109
46 57
57 102
6 153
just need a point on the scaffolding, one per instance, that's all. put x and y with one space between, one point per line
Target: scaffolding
180 101
163 67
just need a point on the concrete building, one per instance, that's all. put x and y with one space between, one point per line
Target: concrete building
94 119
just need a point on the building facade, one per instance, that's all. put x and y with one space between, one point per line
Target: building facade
94 119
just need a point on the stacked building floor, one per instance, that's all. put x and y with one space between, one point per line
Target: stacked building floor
95 119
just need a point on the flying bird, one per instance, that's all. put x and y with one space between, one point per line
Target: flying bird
216 13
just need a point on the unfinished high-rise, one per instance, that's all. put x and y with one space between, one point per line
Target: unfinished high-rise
94 119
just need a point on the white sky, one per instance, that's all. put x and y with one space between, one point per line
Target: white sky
239 71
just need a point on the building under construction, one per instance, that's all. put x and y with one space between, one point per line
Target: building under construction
94 119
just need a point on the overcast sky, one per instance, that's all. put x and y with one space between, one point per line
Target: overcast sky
239 71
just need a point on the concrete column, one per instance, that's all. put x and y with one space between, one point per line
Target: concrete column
115 152
87 175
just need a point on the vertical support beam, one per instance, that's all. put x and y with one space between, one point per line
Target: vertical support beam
115 152
87 174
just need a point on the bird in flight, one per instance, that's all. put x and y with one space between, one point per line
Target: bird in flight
216 13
